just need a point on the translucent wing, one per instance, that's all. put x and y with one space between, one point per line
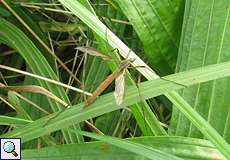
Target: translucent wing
120 88
94 52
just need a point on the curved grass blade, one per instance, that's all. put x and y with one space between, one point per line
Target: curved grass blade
33 89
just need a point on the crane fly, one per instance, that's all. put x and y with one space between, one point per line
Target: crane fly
118 76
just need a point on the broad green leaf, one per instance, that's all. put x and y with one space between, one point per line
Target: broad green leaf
205 41
158 24
186 148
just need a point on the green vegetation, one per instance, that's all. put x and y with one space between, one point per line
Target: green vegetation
55 53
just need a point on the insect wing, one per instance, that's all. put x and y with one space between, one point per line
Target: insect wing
94 52
120 88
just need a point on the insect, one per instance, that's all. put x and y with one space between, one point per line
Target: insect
118 74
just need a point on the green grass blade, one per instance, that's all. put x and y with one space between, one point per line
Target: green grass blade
186 148
5 120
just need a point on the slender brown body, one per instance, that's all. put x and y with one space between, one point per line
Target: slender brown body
122 66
